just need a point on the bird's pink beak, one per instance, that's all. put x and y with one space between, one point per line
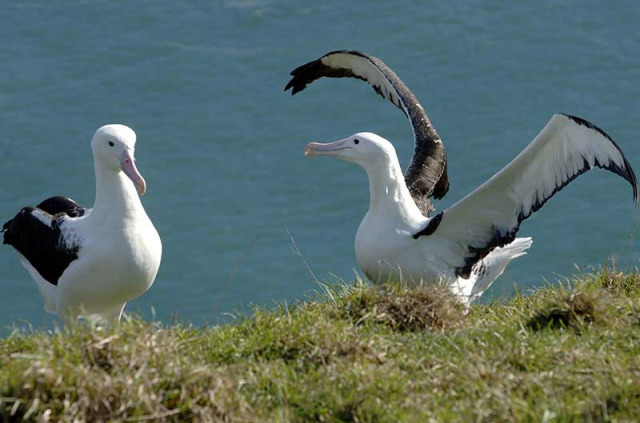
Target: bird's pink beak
321 149
128 164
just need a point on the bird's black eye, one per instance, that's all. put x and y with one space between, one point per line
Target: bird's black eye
356 141
111 144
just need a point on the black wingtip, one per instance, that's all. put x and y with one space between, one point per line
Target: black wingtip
296 83
296 88
305 74
631 177
627 172
634 184
289 85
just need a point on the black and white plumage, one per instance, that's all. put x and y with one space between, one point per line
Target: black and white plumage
36 233
426 175
468 245
92 261
491 215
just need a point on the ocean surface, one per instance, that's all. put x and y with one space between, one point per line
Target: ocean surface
245 219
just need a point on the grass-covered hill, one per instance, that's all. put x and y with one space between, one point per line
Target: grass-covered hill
353 354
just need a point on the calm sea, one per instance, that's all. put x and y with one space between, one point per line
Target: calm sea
239 209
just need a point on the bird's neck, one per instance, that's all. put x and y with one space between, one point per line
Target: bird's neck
388 192
116 196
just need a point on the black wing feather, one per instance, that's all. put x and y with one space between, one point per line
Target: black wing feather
426 175
41 243
60 204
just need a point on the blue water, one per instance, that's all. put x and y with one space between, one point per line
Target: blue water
221 145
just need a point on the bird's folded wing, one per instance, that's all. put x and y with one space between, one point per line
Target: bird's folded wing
61 204
41 239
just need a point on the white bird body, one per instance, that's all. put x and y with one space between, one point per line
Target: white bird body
115 249
470 244
387 228
118 260
385 247
387 252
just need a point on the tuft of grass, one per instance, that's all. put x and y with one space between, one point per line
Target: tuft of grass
402 309
617 282
573 310
132 373
348 354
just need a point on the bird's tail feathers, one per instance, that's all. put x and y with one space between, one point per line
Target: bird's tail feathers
490 268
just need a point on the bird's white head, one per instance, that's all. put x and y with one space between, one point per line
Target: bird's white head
114 146
365 148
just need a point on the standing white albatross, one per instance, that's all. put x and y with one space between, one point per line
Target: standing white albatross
91 262
470 244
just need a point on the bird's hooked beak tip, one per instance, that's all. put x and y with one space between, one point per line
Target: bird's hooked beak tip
308 150
128 164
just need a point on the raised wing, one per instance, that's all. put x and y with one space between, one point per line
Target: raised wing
426 175
37 234
491 215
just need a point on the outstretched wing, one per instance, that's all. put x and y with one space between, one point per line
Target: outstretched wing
491 215
426 175
37 234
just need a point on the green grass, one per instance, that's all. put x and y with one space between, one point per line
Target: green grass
353 354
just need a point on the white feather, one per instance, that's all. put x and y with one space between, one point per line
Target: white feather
363 68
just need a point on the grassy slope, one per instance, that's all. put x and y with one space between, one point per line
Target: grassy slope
352 354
